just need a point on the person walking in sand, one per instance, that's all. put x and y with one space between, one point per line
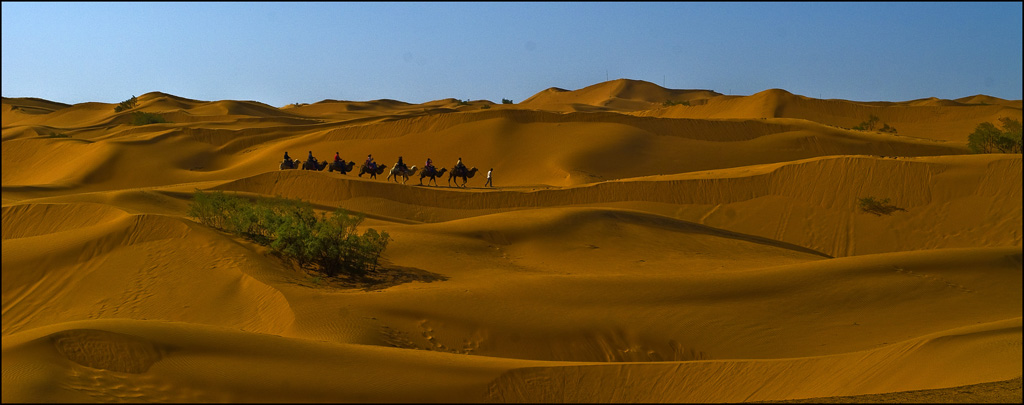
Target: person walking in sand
488 183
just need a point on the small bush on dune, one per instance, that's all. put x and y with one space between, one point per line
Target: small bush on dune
877 207
506 101
209 209
670 103
328 244
127 104
145 118
871 123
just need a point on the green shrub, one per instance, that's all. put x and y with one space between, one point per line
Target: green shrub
868 125
145 118
986 138
506 101
877 207
670 103
872 123
328 244
127 104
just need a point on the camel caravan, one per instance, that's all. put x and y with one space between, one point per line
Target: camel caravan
372 168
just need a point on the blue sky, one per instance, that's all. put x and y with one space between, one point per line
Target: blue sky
282 53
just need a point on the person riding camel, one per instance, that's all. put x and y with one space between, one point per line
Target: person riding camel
288 160
370 164
311 159
401 165
459 167
337 157
429 167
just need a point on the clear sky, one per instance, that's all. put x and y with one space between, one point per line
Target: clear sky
282 53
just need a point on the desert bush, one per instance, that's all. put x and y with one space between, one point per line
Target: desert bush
877 207
670 103
485 107
986 138
328 244
506 101
209 208
868 125
872 123
127 104
145 118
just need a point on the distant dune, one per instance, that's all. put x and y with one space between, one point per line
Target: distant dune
641 244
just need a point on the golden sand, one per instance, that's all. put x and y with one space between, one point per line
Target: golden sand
631 251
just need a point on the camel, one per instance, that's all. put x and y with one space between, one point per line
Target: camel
289 164
341 166
404 173
460 173
433 175
307 165
373 173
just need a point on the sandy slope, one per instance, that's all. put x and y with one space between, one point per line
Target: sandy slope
632 252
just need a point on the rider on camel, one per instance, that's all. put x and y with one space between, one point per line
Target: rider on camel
337 158
429 168
288 160
400 165
459 166
370 164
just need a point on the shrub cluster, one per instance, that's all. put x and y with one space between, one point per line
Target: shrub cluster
877 207
870 124
506 101
329 244
127 104
144 118
986 138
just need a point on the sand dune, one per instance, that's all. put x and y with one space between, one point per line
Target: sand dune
618 95
942 120
632 251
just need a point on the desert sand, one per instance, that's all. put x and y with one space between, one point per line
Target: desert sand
711 250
